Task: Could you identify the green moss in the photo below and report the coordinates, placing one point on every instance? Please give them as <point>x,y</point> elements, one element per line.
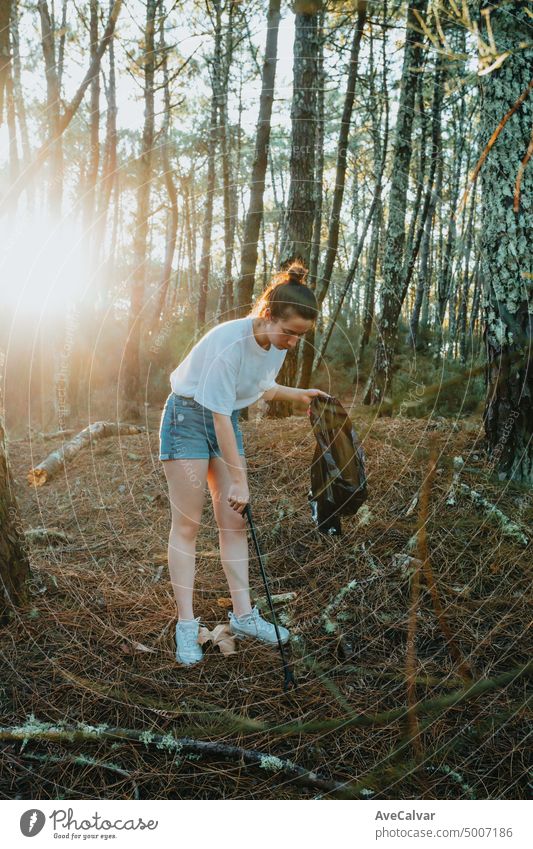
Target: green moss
<point>169,743</point>
<point>271,763</point>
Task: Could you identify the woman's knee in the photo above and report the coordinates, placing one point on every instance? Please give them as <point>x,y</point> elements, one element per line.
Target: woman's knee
<point>184,528</point>
<point>231,526</point>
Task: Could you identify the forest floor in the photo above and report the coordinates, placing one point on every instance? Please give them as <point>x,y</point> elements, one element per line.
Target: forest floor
<point>96,647</point>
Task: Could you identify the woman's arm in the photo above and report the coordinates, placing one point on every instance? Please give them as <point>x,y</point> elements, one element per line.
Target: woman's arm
<point>238,494</point>
<point>292,393</point>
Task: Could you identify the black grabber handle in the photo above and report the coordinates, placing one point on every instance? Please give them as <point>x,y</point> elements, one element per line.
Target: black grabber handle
<point>289,677</point>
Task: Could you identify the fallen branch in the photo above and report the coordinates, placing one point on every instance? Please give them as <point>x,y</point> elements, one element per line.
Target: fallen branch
<point>56,434</point>
<point>510,528</point>
<point>85,760</point>
<point>330,624</point>
<point>458,464</point>
<point>38,731</point>
<point>56,460</point>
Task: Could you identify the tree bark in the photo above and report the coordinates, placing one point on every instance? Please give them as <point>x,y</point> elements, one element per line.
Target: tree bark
<point>53,108</point>
<point>172,214</point>
<point>299,214</point>
<point>254,216</point>
<point>131,399</point>
<point>308,346</point>
<point>55,461</point>
<point>506,248</point>
<point>109,174</point>
<point>342,151</point>
<point>20,106</point>
<point>5,51</point>
<point>14,563</point>
<point>205,259</point>
<point>94,128</point>
<point>226,289</point>
<point>395,238</point>
<point>297,230</point>
<point>430,200</point>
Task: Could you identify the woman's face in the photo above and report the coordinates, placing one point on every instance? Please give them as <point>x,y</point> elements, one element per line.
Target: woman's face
<point>285,333</point>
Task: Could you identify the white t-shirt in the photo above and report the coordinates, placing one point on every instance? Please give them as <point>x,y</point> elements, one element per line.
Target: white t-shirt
<point>227,369</point>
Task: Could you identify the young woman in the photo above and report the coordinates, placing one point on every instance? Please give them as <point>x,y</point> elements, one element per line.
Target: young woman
<point>229,368</point>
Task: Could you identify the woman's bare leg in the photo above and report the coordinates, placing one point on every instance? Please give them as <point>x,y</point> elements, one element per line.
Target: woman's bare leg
<point>186,485</point>
<point>232,536</point>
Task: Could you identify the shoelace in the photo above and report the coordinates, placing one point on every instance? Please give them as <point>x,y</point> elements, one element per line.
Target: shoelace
<point>261,624</point>
<point>188,637</point>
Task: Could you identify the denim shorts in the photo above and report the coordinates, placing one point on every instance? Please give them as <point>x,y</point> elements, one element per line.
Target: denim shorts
<point>187,430</point>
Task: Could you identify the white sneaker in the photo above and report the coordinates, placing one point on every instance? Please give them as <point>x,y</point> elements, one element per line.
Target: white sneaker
<point>253,625</point>
<point>188,649</point>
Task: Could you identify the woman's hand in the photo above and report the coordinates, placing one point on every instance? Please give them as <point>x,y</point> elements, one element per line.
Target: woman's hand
<point>305,395</point>
<point>238,495</point>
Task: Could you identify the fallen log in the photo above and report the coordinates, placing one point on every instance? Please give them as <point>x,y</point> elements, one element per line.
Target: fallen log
<point>178,747</point>
<point>55,461</point>
<point>56,434</point>
<point>509,528</point>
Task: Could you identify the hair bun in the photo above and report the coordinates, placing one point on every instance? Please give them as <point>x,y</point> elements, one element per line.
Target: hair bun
<point>296,273</point>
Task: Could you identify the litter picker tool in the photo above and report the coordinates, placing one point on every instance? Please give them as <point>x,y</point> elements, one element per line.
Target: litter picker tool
<point>289,677</point>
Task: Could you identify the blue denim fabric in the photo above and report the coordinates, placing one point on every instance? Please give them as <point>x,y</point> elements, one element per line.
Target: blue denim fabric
<point>187,430</point>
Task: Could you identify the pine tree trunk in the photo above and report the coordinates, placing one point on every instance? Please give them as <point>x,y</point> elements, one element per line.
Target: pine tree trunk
<point>370,282</point>
<point>381,376</point>
<point>207,229</point>
<point>430,200</point>
<point>308,347</point>
<point>5,52</point>
<point>226,288</point>
<point>380,118</point>
<point>299,214</point>
<point>53,105</point>
<point>172,215</point>
<point>468,277</point>
<point>506,246</point>
<point>109,178</point>
<point>297,233</point>
<point>254,216</point>
<point>20,106</point>
<point>342,151</point>
<point>131,398</point>
<point>14,564</point>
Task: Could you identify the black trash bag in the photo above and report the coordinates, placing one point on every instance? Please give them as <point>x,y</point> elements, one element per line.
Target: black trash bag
<point>338,479</point>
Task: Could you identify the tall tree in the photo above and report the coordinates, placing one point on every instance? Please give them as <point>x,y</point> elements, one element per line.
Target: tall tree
<point>392,266</point>
<point>14,564</point>
<point>430,200</point>
<point>254,216</point>
<point>20,106</point>
<point>215,12</point>
<point>507,190</point>
<point>308,345</point>
<point>338,192</point>
<point>297,233</point>
<point>5,51</point>
<point>299,214</point>
<point>165,151</point>
<point>109,172</point>
<point>94,126</point>
<point>225,300</point>
<point>131,399</point>
<point>53,107</point>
